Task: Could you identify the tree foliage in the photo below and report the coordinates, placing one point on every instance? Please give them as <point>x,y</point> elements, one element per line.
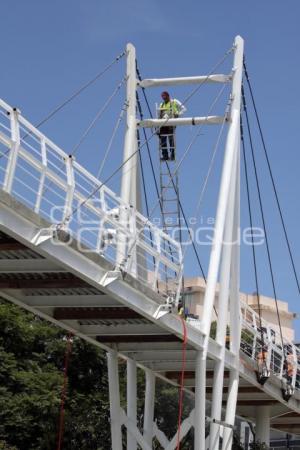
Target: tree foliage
<point>32,353</point>
<point>31,374</point>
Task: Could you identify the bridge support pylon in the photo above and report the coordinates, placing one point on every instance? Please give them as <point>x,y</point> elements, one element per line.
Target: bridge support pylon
<point>262,423</point>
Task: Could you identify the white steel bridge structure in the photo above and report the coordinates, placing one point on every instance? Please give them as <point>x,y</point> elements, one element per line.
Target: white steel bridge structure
<point>78,255</point>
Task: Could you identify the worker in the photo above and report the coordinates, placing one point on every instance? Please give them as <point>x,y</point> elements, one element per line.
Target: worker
<point>263,372</point>
<point>168,109</point>
<point>289,368</point>
<point>262,357</point>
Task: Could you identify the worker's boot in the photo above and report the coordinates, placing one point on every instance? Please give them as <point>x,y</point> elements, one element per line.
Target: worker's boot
<point>172,158</point>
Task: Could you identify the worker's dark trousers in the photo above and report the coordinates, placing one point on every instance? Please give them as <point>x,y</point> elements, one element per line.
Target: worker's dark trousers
<point>167,134</point>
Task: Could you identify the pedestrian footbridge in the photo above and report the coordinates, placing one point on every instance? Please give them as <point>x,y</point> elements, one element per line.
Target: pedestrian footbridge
<point>74,253</point>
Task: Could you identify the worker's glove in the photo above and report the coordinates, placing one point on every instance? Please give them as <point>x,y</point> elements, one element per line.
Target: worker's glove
<point>166,116</point>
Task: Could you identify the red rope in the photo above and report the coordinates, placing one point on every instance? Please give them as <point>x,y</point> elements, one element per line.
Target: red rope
<point>64,392</point>
<point>180,408</point>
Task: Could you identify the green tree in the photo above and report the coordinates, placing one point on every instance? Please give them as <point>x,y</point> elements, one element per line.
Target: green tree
<point>31,374</point>
<point>32,353</point>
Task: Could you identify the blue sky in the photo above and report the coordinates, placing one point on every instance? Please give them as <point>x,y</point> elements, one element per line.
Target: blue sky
<point>48,49</point>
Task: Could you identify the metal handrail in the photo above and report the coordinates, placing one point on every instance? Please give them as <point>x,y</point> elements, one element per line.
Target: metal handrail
<point>46,179</point>
<point>251,345</point>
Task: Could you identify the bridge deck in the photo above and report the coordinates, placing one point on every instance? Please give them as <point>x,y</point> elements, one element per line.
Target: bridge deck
<point>65,285</point>
<point>67,274</point>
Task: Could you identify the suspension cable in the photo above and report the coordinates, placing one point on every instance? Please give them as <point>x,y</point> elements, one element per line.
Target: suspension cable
<point>152,166</point>
<point>153,173</point>
<point>145,194</point>
<point>98,188</point>
<point>214,153</point>
<point>97,117</point>
<point>252,237</point>
<point>149,152</point>
<point>67,218</point>
<point>79,90</point>
<point>186,223</point>
<point>89,128</point>
<point>182,159</point>
<point>219,63</point>
<point>172,180</point>
<point>120,118</point>
<point>272,178</point>
<point>263,218</point>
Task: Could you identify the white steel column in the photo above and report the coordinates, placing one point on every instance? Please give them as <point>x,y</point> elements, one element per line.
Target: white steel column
<point>114,400</point>
<point>235,318</point>
<point>218,380</point>
<point>131,401</point>
<point>130,144</point>
<point>224,194</point>
<point>149,407</point>
<point>228,165</point>
<point>129,171</point>
<point>233,387</point>
<point>263,424</point>
<point>200,401</point>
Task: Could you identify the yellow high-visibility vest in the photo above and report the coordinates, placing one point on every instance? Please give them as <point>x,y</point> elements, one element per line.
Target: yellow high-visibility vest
<point>170,108</point>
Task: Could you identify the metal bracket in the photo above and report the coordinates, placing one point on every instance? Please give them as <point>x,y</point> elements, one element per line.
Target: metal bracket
<point>44,234</point>
<point>164,309</point>
<point>222,423</point>
<point>110,276</point>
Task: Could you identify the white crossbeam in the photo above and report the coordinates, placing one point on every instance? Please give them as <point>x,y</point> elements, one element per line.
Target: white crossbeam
<point>207,120</point>
<point>154,82</point>
<point>184,429</point>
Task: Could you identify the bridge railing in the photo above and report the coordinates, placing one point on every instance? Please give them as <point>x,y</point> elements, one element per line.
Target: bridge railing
<point>43,177</point>
<point>283,358</point>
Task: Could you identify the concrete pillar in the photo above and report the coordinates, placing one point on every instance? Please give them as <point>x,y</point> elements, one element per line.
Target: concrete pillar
<point>263,424</point>
<point>149,407</point>
<point>114,400</point>
<point>131,400</point>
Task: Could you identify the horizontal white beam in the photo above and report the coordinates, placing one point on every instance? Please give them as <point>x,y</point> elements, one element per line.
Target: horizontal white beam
<point>208,120</point>
<point>154,82</point>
